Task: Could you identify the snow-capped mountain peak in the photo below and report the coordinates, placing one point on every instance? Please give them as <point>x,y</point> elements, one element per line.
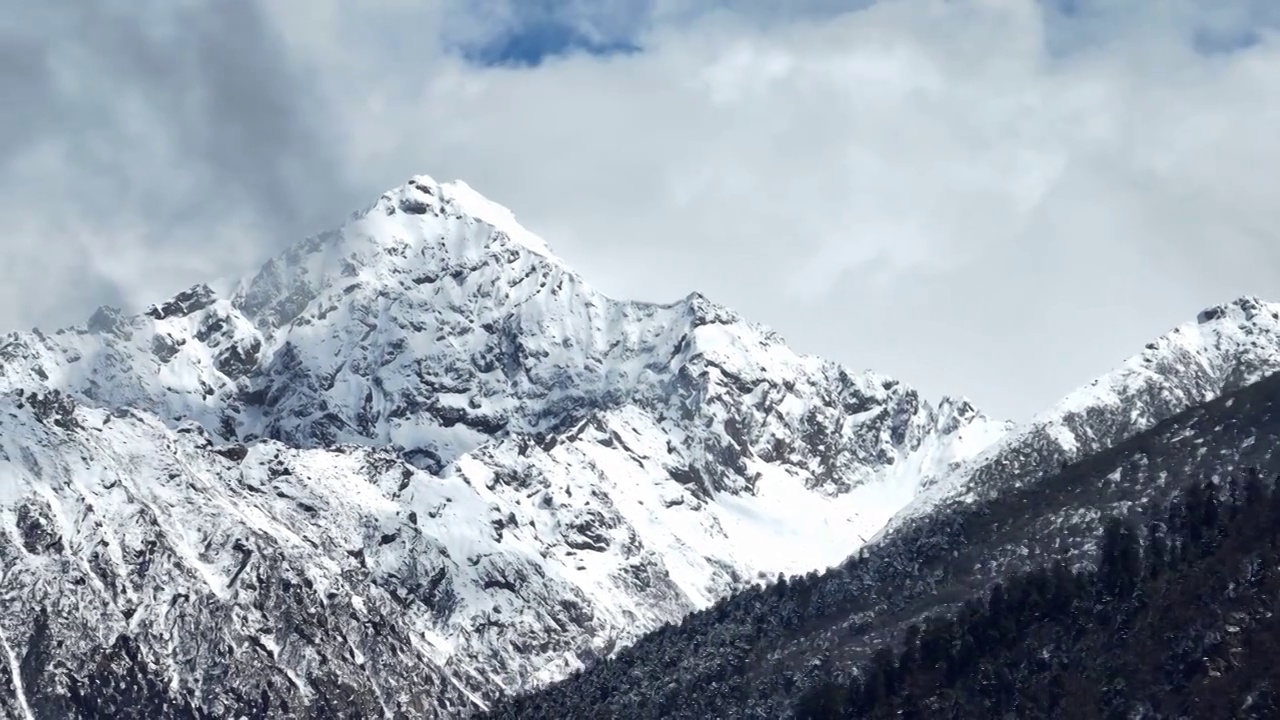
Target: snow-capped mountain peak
<point>469,202</point>
<point>421,228</point>
<point>423,422</point>
<point>1243,309</point>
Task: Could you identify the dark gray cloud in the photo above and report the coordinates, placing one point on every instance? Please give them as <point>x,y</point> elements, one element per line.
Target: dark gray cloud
<point>24,76</point>
<point>226,102</point>
<point>133,126</point>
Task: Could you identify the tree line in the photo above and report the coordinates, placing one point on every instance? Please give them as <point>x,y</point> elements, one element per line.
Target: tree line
<point>1177,619</point>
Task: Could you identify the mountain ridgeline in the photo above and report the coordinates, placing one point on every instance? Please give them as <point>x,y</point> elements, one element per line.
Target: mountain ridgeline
<point>1035,603</point>
<point>417,467</point>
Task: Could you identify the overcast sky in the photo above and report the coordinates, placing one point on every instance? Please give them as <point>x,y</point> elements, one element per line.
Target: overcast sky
<point>994,198</point>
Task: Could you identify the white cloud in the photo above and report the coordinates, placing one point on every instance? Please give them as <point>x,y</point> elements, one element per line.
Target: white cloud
<point>980,197</point>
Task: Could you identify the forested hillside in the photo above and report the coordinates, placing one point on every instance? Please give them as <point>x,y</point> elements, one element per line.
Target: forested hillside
<point>1177,620</point>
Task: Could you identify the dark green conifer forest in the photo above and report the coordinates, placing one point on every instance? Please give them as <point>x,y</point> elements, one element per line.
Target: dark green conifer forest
<point>1178,620</point>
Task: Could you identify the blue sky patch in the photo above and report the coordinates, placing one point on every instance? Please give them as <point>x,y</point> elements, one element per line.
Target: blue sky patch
<point>532,44</point>
<point>526,33</point>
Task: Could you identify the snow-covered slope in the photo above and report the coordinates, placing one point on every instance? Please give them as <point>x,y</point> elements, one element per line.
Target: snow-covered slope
<point>412,464</point>
<point>1226,347</point>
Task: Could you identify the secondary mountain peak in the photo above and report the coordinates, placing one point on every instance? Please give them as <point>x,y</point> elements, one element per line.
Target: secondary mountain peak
<point>1243,309</point>
<point>1227,347</point>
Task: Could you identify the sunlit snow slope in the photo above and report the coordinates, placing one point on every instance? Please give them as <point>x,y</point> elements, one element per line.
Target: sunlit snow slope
<point>1227,347</point>
<point>412,464</point>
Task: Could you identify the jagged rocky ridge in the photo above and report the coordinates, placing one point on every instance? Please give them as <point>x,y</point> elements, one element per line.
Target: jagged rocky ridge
<point>757,653</point>
<point>411,466</point>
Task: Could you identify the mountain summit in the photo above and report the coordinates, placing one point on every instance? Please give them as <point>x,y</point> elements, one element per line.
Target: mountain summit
<point>411,465</point>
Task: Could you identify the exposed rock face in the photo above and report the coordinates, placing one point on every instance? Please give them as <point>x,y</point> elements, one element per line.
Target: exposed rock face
<point>409,466</point>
